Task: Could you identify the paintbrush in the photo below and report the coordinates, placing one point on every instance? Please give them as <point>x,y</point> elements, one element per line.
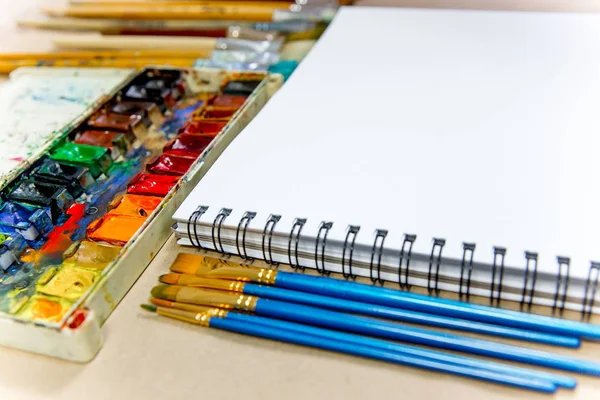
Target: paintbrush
<point>7,67</point>
<point>186,43</point>
<point>559,380</point>
<point>210,12</point>
<point>356,307</point>
<point>175,3</point>
<point>325,286</point>
<point>345,343</point>
<point>86,55</point>
<point>112,25</point>
<point>368,326</point>
<point>117,25</point>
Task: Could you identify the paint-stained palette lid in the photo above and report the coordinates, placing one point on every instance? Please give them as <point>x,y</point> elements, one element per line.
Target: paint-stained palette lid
<point>38,105</point>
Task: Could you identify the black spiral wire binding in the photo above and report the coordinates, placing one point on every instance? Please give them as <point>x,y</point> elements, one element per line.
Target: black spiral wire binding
<point>324,228</point>
<point>243,225</point>
<point>437,260</point>
<point>297,230</point>
<point>192,222</point>
<point>216,226</point>
<point>352,231</point>
<point>467,248</point>
<point>527,293</point>
<point>499,255</point>
<point>380,235</point>
<point>407,245</point>
<point>268,231</point>
<point>562,284</point>
<point>591,289</point>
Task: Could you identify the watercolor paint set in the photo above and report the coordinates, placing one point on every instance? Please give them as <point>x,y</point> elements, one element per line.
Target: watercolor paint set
<point>89,204</point>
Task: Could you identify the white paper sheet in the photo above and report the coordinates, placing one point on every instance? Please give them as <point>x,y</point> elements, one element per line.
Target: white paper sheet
<point>471,126</point>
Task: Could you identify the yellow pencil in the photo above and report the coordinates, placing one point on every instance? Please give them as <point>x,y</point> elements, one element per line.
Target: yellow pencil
<point>226,12</point>
<point>8,66</point>
<point>86,55</point>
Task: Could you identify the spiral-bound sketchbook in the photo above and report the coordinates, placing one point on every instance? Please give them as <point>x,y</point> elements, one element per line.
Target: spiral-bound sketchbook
<point>454,150</point>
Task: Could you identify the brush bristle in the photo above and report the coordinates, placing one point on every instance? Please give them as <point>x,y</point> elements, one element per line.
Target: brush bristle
<point>171,279</point>
<point>166,292</point>
<point>148,307</point>
<point>161,302</point>
<point>184,268</point>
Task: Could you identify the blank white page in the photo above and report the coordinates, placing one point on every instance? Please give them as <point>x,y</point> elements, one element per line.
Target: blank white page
<point>471,126</point>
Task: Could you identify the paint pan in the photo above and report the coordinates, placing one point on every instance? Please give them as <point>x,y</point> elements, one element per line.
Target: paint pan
<point>96,159</point>
<point>152,184</point>
<point>55,199</point>
<point>115,141</point>
<point>187,145</point>
<point>164,91</point>
<point>134,205</point>
<point>229,101</point>
<point>168,164</point>
<point>11,249</point>
<point>45,308</point>
<point>240,87</point>
<point>90,255</point>
<point>205,128</point>
<point>114,229</point>
<point>75,179</point>
<point>67,282</point>
<point>120,122</point>
<point>217,113</point>
<point>148,111</point>
<point>23,221</point>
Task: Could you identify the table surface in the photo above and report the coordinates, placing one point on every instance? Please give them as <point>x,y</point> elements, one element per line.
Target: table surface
<point>150,357</point>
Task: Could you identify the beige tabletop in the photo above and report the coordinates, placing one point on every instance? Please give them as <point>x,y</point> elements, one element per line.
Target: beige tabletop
<point>148,357</point>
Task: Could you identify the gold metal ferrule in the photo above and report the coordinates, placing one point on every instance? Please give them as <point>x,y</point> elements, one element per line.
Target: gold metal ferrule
<point>216,298</point>
<point>197,318</point>
<point>219,284</point>
<point>246,274</point>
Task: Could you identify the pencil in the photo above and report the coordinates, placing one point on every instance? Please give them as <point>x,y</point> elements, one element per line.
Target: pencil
<point>559,380</point>
<point>394,298</point>
<point>356,307</point>
<point>372,327</point>
<point>267,331</point>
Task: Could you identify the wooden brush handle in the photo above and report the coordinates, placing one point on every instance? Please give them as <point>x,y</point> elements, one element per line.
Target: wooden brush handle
<point>100,42</point>
<point>237,13</point>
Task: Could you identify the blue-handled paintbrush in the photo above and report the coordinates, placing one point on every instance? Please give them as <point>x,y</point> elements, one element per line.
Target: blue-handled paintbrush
<point>559,380</point>
<point>368,326</point>
<point>373,310</point>
<point>213,268</point>
<point>218,319</point>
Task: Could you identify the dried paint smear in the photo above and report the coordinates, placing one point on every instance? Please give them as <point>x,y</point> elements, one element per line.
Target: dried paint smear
<point>36,105</point>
